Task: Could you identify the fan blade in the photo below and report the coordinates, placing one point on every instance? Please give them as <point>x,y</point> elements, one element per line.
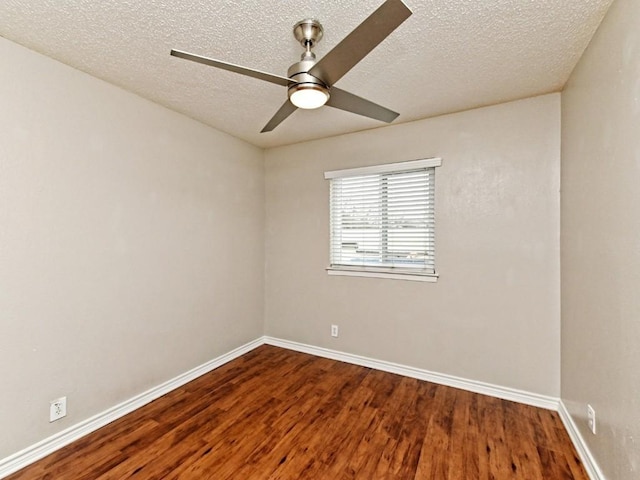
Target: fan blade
<point>360,41</point>
<point>285,110</point>
<point>268,77</point>
<point>354,104</point>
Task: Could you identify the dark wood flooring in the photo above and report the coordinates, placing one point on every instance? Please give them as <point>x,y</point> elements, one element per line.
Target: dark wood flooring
<point>277,414</point>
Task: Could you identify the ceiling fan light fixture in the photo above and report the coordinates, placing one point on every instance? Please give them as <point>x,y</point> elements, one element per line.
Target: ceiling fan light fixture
<point>308,95</point>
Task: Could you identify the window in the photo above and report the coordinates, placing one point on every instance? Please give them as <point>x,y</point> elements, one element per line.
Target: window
<point>382,220</point>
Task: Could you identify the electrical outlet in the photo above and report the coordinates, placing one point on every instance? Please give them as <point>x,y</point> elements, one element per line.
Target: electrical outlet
<point>57,409</point>
<point>334,330</point>
<point>591,418</point>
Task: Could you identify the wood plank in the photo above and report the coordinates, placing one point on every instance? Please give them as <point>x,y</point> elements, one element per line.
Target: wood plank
<point>280,415</point>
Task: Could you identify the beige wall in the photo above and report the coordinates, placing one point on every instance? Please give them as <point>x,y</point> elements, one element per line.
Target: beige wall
<point>131,244</point>
<point>494,314</point>
<point>601,241</point>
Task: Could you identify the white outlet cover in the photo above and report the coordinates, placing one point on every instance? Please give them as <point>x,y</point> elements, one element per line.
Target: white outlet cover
<point>591,418</point>
<point>57,409</point>
<point>334,330</point>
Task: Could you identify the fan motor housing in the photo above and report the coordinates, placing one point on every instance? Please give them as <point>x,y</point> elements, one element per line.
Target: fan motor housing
<point>301,77</point>
<point>298,73</point>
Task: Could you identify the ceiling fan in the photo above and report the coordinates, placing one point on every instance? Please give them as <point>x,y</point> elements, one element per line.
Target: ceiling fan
<point>310,83</point>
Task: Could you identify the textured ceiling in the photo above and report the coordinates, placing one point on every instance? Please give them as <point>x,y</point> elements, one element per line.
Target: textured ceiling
<point>450,55</point>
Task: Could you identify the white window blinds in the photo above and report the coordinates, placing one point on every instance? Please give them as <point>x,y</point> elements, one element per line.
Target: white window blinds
<point>383,219</point>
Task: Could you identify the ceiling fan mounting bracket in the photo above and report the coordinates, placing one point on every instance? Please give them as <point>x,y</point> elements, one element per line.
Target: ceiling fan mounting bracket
<point>308,32</point>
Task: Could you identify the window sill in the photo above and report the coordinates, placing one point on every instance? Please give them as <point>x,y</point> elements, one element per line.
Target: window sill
<point>413,277</point>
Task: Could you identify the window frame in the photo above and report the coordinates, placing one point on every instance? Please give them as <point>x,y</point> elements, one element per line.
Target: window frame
<point>386,271</point>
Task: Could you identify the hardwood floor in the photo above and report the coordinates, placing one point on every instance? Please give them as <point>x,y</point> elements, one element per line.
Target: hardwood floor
<point>277,414</point>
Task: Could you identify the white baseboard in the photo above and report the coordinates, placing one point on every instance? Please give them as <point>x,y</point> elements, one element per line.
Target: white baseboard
<point>590,464</point>
<point>506,393</point>
<point>49,445</point>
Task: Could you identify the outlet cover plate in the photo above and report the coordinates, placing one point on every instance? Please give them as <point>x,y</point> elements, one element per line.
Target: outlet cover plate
<point>591,419</point>
<point>57,409</point>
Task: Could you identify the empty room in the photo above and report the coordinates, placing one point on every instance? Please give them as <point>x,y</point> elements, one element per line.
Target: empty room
<point>385,239</point>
